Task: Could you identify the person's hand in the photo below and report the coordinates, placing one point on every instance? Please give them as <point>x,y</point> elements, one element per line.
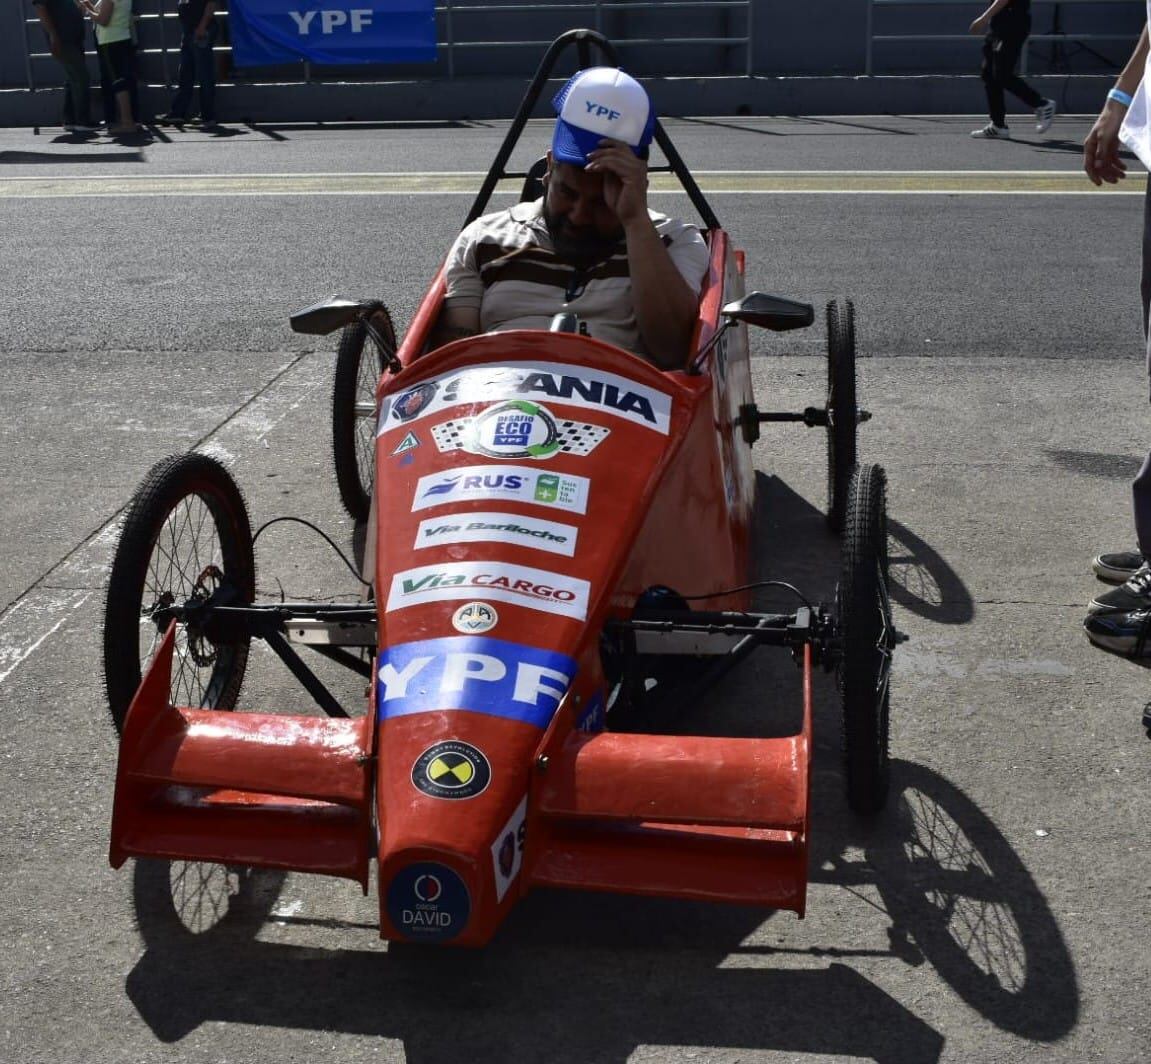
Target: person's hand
<point>1101,160</point>
<point>979,25</point>
<point>624,179</point>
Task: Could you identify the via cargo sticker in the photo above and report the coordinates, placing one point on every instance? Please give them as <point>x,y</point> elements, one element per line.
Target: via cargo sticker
<point>536,589</point>
<point>578,386</point>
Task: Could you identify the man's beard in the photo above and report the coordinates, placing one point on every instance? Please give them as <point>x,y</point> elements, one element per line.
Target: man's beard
<point>581,247</point>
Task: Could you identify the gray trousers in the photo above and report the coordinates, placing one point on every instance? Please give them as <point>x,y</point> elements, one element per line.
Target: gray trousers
<point>1141,485</point>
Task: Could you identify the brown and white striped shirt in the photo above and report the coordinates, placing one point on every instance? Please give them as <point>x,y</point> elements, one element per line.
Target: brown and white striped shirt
<point>504,264</point>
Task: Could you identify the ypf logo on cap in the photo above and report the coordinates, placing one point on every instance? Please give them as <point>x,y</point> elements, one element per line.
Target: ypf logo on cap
<point>596,103</point>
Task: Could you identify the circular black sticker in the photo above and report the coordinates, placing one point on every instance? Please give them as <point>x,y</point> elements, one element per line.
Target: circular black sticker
<point>452,769</point>
<point>428,901</point>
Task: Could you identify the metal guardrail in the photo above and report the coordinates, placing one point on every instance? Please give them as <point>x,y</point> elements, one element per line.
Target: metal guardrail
<point>1035,38</point>
<point>168,32</point>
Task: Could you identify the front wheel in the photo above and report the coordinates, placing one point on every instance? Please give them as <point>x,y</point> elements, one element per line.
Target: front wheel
<point>868,639</point>
<point>354,412</point>
<point>186,539</point>
<point>842,408</point>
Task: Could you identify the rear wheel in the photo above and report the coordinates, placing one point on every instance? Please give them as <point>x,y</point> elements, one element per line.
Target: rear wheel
<point>186,538</point>
<point>868,639</point>
<point>842,408</point>
<point>358,374</point>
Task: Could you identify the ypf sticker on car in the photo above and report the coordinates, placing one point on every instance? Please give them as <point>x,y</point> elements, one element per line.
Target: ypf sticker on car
<point>537,589</point>
<point>518,429</point>
<point>476,673</point>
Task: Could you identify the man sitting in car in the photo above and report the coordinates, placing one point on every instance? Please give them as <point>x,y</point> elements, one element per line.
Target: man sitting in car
<point>590,246</point>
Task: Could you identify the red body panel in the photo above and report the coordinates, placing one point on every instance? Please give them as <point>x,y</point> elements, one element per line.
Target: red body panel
<point>530,488</point>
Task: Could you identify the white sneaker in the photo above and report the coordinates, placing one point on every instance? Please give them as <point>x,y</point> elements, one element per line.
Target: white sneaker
<point>1044,116</point>
<point>991,132</point>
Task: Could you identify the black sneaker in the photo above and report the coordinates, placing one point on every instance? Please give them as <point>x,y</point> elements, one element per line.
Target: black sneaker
<point>171,120</point>
<point>1135,594</point>
<point>1121,632</point>
<point>1117,568</point>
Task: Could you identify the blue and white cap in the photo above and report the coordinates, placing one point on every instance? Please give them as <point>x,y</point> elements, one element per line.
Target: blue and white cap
<point>596,103</point>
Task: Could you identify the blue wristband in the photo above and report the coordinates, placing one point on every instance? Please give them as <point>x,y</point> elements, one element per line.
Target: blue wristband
<point>1119,96</point>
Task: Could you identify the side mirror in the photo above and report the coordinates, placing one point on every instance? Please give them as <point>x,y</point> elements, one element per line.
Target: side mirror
<point>770,312</point>
<point>330,315</point>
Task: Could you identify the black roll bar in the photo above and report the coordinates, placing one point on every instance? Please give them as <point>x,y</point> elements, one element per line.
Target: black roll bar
<point>583,39</point>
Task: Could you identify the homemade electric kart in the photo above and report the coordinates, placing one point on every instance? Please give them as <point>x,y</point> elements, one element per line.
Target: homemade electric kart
<point>556,525</point>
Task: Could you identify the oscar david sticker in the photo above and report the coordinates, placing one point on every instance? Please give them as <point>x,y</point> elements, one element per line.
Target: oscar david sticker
<point>475,618</point>
<point>414,401</point>
<point>452,770</point>
<point>428,901</point>
<point>508,849</point>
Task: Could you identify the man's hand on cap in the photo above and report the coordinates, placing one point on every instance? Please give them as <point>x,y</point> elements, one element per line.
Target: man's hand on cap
<point>624,179</point>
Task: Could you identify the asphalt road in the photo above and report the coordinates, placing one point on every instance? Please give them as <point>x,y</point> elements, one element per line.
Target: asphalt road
<point>997,912</point>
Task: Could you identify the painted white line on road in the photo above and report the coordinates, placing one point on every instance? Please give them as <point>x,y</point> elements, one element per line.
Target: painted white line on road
<point>17,644</point>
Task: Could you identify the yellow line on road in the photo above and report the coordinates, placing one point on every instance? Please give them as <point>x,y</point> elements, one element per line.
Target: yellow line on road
<point>748,182</point>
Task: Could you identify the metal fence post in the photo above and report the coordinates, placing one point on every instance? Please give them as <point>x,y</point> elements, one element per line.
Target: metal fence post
<point>750,38</point>
<point>867,60</point>
<point>164,47</point>
<point>450,42</point>
<point>20,13</point>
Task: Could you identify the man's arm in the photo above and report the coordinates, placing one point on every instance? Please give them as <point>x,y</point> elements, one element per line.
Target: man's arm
<point>665,306</point>
<point>49,29</point>
<point>99,10</point>
<point>980,24</point>
<point>201,33</point>
<point>1101,160</point>
<point>454,323</point>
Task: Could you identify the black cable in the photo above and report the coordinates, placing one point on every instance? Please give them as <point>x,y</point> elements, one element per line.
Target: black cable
<point>320,532</point>
<point>751,587</point>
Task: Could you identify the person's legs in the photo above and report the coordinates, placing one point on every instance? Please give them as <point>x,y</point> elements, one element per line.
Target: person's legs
<point>187,77</point>
<point>206,76</point>
<point>1006,59</point>
<point>121,56</point>
<point>77,105</point>
<point>107,96</point>
<point>996,107</point>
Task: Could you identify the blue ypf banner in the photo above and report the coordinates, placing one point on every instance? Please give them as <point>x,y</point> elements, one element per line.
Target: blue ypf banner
<point>266,32</point>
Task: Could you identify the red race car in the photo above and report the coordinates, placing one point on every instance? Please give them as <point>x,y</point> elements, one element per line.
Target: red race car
<point>562,543</point>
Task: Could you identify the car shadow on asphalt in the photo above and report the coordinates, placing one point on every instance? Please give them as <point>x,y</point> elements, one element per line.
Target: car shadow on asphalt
<point>573,977</point>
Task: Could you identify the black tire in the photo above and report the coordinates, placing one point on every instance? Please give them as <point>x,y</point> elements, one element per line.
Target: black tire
<point>868,638</point>
<point>842,408</point>
<point>353,427</point>
<point>186,533</point>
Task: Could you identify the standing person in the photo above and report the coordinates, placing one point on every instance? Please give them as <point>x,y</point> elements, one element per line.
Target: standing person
<point>63,24</point>
<point>1120,620</point>
<point>1007,24</point>
<point>117,52</point>
<point>197,63</point>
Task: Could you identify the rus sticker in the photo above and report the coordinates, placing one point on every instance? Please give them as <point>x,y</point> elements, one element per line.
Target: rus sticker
<point>502,482</point>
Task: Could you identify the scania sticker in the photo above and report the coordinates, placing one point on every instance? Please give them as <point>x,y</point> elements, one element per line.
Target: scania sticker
<point>508,849</point>
<point>475,618</point>
<point>412,403</point>
<point>498,528</point>
<point>536,589</point>
<point>408,443</point>
<point>579,386</point>
<point>452,770</point>
<point>518,430</point>
<point>518,483</point>
<point>478,674</point>
<point>428,901</point>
